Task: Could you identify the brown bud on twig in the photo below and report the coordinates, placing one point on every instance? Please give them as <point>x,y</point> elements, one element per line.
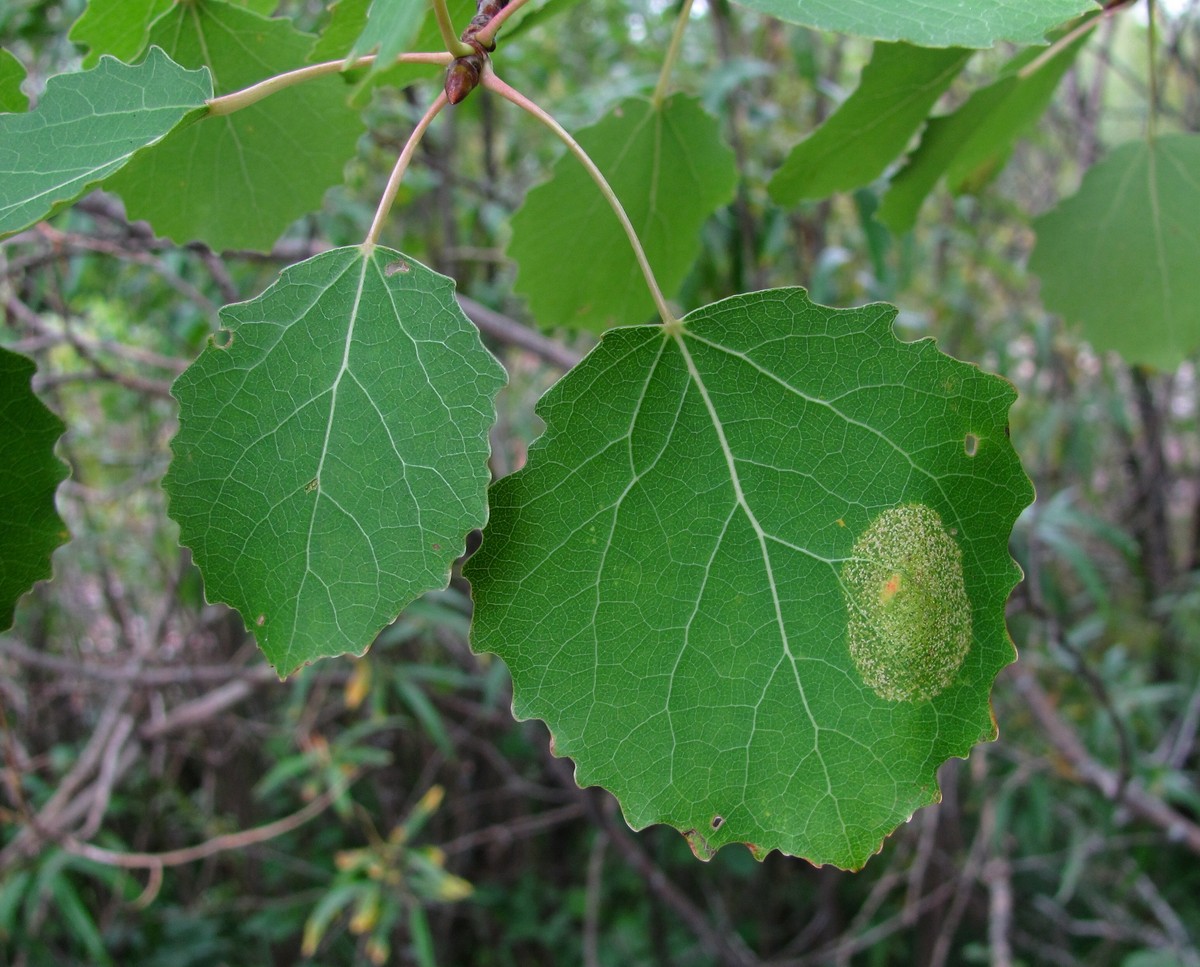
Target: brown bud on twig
<point>462,77</point>
<point>463,74</point>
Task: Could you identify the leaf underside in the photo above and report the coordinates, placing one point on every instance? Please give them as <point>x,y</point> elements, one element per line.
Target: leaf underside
<point>87,126</point>
<point>667,579</point>
<point>332,456</point>
<point>30,528</point>
<point>1120,257</point>
<point>930,23</point>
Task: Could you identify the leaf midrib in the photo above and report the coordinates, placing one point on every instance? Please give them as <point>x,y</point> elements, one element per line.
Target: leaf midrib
<point>760,535</point>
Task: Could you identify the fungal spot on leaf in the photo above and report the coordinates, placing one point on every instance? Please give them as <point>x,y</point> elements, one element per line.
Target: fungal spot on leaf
<point>396,268</point>
<point>909,617</point>
<point>311,485</point>
<point>718,822</point>
<point>260,620</point>
<point>222,338</point>
<point>971,444</point>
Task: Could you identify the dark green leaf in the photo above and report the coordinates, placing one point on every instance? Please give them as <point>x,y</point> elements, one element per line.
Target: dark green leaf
<point>429,38</point>
<point>122,27</point>
<point>12,72</point>
<point>30,528</point>
<point>332,455</point>
<point>87,126</point>
<point>387,28</point>
<point>753,576</point>
<point>872,126</point>
<point>117,27</point>
<point>347,21</point>
<point>671,170</point>
<point>972,144</point>
<point>238,181</point>
<point>1120,256</point>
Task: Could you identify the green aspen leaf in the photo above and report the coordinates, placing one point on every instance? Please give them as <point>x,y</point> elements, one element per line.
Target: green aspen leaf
<point>383,27</point>
<point>30,528</point>
<point>122,27</point>
<point>930,23</point>
<point>536,15</point>
<point>671,170</point>
<point>1120,256</point>
<point>87,126</point>
<point>347,21</point>
<point>872,126</point>
<point>345,26</point>
<point>12,72</point>
<point>390,29</point>
<point>332,450</point>
<point>971,145</point>
<point>753,575</point>
<point>239,180</point>
<point>117,27</point>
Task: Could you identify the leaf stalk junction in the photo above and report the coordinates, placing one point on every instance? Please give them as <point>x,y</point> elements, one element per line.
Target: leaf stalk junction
<point>469,65</point>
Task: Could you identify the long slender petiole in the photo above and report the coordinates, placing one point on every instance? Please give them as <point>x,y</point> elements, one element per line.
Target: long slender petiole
<point>393,185</point>
<point>453,44</point>
<point>487,35</point>
<point>229,103</point>
<point>1152,70</point>
<point>664,75</point>
<point>1070,37</point>
<point>493,83</point>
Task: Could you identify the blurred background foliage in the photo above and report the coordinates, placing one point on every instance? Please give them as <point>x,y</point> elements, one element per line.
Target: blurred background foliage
<point>167,801</point>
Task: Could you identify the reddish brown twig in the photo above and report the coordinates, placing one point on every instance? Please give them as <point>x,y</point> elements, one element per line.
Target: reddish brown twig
<point>464,73</point>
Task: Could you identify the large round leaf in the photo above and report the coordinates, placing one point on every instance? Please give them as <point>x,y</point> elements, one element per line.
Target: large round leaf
<point>753,575</point>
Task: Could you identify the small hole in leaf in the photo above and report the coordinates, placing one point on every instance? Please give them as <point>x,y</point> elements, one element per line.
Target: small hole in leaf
<point>971,444</point>
<point>222,339</point>
<point>397,267</point>
<point>718,822</point>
